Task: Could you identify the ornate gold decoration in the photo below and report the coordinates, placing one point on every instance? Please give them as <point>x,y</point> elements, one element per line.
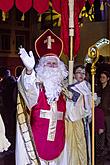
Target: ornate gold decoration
<point>51,14</point>
<point>93,53</point>
<point>88,14</point>
<point>23,17</point>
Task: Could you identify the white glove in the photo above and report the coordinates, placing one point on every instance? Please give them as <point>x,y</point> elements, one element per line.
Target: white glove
<point>27,59</point>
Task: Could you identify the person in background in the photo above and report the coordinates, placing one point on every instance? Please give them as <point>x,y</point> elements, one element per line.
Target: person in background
<point>41,88</point>
<point>8,94</point>
<point>82,87</point>
<point>104,93</point>
<point>99,132</point>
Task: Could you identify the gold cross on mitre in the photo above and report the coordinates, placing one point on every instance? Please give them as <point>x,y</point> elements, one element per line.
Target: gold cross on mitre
<point>49,41</point>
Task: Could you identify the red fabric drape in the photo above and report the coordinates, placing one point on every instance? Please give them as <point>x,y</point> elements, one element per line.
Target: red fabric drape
<point>65,26</point>
<point>91,2</point>
<point>61,6</point>
<point>56,4</point>
<point>6,5</point>
<point>78,7</point>
<point>23,5</point>
<point>41,5</point>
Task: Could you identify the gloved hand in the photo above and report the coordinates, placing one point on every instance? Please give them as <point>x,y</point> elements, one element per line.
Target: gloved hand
<point>27,59</point>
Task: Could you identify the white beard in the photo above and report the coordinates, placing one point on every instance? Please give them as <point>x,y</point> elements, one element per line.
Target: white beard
<point>51,79</point>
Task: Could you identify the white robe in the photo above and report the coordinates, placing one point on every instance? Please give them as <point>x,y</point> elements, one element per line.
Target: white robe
<point>30,91</point>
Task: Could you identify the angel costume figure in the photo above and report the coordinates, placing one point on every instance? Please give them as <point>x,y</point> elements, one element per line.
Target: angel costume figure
<point>41,88</point>
<point>82,87</point>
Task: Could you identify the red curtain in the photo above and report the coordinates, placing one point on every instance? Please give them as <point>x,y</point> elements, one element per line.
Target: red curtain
<point>41,5</point>
<point>91,2</point>
<point>61,6</point>
<point>65,26</point>
<point>6,5</point>
<point>23,5</point>
<point>78,7</point>
<point>56,4</point>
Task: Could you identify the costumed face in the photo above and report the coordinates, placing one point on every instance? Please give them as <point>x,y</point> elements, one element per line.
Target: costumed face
<point>51,72</point>
<point>51,62</point>
<point>79,74</point>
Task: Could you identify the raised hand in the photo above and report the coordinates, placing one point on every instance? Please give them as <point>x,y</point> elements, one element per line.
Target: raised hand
<point>27,59</point>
